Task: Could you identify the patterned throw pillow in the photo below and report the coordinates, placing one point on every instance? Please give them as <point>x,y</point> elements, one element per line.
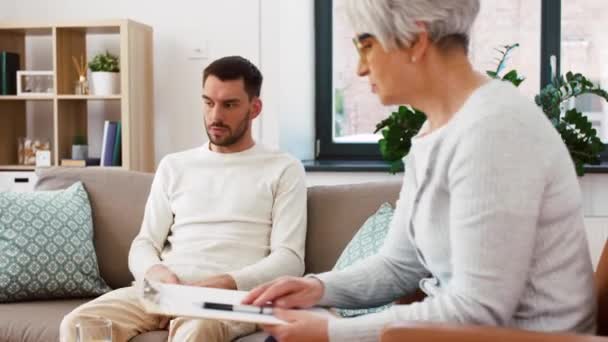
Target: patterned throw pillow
<point>365,243</point>
<point>46,246</point>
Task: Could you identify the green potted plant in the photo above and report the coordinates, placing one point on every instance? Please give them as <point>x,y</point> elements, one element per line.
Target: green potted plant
<point>105,74</point>
<point>397,133</point>
<point>575,128</point>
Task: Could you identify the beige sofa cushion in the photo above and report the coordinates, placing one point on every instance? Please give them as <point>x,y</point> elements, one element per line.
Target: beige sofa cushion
<point>335,214</point>
<point>118,199</point>
<point>39,321</point>
<point>34,321</point>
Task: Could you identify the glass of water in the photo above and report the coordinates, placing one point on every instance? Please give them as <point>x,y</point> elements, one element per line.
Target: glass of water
<point>94,330</point>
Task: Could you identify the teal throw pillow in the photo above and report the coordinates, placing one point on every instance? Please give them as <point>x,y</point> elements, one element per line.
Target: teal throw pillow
<point>366,243</point>
<point>46,246</point>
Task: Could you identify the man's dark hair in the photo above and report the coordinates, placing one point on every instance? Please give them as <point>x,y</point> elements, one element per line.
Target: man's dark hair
<point>233,68</point>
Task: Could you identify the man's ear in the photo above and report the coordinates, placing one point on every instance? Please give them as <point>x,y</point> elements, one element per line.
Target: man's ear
<point>256,107</point>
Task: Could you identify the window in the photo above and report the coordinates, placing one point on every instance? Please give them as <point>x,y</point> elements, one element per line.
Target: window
<point>502,23</point>
<point>584,49</point>
<point>356,110</point>
<point>347,112</point>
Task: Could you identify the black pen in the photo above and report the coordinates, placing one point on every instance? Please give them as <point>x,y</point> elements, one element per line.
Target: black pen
<point>238,308</point>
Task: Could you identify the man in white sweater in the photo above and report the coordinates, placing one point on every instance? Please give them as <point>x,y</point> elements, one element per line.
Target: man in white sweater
<point>230,214</point>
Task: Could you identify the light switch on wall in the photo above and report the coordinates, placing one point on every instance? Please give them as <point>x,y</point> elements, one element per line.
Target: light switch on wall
<point>199,51</point>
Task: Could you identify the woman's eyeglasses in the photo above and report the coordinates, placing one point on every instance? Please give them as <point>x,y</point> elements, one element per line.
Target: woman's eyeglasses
<point>362,46</point>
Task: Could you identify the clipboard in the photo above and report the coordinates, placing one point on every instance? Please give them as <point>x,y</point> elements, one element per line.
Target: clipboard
<point>186,301</point>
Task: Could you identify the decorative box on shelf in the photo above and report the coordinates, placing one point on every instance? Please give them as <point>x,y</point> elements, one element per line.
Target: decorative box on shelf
<point>35,83</point>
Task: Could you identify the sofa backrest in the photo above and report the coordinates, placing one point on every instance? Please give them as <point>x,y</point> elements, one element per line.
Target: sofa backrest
<point>118,198</point>
<point>335,214</point>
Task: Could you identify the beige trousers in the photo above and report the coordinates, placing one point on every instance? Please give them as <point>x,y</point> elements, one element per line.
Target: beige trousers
<point>129,319</point>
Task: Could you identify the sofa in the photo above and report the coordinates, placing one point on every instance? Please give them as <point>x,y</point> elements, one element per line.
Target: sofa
<point>117,200</point>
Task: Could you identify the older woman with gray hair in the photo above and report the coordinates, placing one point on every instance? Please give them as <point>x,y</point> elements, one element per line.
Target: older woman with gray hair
<point>489,222</point>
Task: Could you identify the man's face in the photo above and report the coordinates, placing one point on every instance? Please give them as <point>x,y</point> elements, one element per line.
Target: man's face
<point>228,111</point>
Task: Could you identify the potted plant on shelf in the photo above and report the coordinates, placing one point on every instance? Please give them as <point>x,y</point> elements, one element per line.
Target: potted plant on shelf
<point>574,127</point>
<point>80,149</point>
<point>105,74</point>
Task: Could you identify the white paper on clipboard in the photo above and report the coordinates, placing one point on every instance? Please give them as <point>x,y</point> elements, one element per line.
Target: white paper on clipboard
<point>185,301</point>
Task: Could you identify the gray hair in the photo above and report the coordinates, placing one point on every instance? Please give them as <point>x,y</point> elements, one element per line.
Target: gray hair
<point>393,22</point>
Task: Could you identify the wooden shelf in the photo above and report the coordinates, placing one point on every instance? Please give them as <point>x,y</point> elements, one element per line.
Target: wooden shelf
<point>70,113</point>
<point>33,167</point>
<point>60,97</point>
<point>89,97</point>
<point>94,167</point>
<point>26,97</point>
<point>17,167</point>
<point>103,26</point>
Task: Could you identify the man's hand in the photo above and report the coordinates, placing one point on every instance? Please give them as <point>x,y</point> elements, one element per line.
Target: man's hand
<point>287,293</point>
<point>222,281</point>
<point>162,273</point>
<point>301,326</point>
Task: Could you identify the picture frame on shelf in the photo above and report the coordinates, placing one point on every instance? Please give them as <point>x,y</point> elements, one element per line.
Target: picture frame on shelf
<point>28,148</point>
<point>35,83</point>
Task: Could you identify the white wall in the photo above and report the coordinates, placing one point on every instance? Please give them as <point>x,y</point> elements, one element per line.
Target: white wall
<point>287,47</point>
<point>296,125</point>
<point>6,8</point>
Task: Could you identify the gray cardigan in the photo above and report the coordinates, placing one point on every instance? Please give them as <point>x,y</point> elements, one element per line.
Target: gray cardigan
<point>493,233</point>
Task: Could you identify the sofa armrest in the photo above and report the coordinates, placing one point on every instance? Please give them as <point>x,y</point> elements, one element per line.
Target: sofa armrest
<point>420,332</point>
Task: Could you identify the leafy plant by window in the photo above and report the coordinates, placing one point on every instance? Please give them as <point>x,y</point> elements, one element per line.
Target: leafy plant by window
<point>397,133</point>
<point>510,76</point>
<point>105,62</point>
<point>575,129</point>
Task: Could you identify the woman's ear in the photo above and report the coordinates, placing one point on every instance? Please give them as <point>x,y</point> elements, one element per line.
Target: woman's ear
<point>420,45</point>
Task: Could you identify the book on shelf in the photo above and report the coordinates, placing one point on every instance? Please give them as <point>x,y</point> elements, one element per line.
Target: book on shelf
<point>111,144</point>
<point>80,162</point>
<point>116,156</point>
<point>73,163</point>
<point>9,64</point>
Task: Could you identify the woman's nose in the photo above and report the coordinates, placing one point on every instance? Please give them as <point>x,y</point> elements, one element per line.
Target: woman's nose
<point>362,69</point>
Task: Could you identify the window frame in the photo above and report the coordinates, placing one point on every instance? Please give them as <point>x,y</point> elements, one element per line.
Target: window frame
<point>326,149</point>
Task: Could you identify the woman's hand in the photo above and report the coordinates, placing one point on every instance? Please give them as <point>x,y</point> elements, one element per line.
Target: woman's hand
<point>302,326</point>
<point>287,293</point>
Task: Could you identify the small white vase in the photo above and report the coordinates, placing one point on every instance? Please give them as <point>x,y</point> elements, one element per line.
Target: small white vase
<point>105,83</point>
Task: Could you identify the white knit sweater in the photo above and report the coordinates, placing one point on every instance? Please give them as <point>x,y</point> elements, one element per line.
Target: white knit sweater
<point>240,213</point>
<point>493,233</point>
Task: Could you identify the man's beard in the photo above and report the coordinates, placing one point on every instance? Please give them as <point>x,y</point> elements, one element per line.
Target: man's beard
<point>232,137</point>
